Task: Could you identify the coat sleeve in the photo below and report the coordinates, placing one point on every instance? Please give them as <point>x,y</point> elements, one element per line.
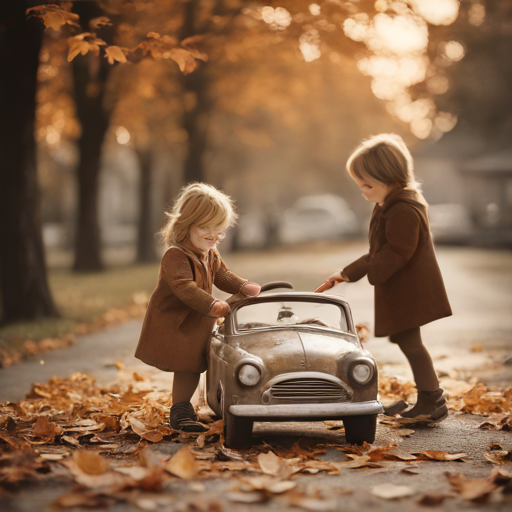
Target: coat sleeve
<point>180,278</point>
<point>358,269</point>
<point>402,236</point>
<point>226,281</point>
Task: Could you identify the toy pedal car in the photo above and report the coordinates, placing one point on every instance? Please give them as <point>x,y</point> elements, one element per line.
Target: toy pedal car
<point>291,356</point>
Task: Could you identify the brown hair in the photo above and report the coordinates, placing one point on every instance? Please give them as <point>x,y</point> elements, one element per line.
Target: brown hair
<point>200,204</point>
<point>384,158</point>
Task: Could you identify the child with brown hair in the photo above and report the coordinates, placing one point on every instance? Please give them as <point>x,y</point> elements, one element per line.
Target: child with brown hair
<point>182,312</point>
<point>401,263</point>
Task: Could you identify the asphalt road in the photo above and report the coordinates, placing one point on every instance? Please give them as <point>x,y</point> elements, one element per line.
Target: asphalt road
<point>474,342</point>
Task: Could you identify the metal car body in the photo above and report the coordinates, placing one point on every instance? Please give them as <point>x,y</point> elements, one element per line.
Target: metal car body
<point>290,356</point>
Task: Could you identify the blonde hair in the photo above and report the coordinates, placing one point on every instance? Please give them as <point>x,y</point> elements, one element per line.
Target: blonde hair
<point>384,158</point>
<point>200,204</point>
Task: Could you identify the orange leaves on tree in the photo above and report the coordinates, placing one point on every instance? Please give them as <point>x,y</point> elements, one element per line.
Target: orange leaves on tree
<point>99,22</point>
<point>116,53</point>
<point>54,16</point>
<point>84,43</point>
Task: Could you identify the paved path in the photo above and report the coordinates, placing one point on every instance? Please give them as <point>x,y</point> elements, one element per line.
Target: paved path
<point>478,281</point>
<point>478,284</point>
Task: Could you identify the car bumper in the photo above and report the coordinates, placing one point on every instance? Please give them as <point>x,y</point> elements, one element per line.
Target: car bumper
<point>305,411</point>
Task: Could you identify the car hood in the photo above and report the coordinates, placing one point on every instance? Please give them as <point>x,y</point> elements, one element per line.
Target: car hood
<point>287,351</point>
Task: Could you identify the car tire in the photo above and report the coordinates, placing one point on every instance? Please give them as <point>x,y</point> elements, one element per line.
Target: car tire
<point>237,431</point>
<point>360,429</point>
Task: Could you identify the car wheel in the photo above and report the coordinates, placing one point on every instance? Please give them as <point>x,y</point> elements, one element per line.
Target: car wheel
<point>359,429</point>
<point>237,431</point>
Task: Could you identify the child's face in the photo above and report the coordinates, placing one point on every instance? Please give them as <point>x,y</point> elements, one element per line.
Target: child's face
<point>205,237</point>
<point>373,191</point>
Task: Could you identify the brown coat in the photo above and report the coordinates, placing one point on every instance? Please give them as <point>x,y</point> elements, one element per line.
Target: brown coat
<point>402,265</point>
<point>177,329</point>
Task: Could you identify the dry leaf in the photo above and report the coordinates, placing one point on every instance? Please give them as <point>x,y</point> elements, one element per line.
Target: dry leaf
<point>90,463</point>
<point>498,456</point>
<point>115,53</point>
<point>184,59</point>
<point>247,497</point>
<point>472,489</point>
<point>270,463</point>
<point>183,464</point>
<point>439,456</point>
<point>391,491</point>
<point>431,500</point>
<point>404,432</point>
<point>101,21</point>
<point>43,427</point>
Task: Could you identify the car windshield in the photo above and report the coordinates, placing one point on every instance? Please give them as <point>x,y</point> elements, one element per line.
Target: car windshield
<point>297,313</point>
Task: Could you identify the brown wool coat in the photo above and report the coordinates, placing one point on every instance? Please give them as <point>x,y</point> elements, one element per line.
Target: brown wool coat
<point>402,265</point>
<point>177,329</point>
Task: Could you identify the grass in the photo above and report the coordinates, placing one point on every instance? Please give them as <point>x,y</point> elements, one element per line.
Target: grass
<point>83,299</point>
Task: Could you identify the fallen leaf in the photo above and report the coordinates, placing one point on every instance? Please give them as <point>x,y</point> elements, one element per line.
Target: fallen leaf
<point>431,500</point>
<point>439,455</point>
<point>247,497</point>
<point>359,461</point>
<point>391,491</point>
<point>183,464</point>
<point>472,489</point>
<point>270,463</point>
<point>82,499</point>
<point>498,456</point>
<point>90,463</point>
<point>44,428</point>
<point>404,432</point>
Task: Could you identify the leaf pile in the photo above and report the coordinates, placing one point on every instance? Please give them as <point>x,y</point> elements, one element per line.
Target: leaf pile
<point>101,438</point>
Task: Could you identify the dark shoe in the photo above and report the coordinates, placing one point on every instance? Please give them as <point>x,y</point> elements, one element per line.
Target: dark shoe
<point>430,406</point>
<point>183,417</point>
<point>395,408</point>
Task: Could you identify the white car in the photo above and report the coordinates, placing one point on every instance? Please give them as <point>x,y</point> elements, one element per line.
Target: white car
<point>322,217</point>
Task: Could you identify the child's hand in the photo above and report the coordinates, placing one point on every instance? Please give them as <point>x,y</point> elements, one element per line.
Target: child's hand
<point>332,281</point>
<point>251,289</point>
<point>220,309</point>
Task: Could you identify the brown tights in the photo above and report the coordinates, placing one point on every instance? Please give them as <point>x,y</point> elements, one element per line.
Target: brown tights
<point>422,367</point>
<point>183,386</point>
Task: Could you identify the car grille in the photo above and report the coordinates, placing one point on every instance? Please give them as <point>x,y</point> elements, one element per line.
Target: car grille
<point>306,391</point>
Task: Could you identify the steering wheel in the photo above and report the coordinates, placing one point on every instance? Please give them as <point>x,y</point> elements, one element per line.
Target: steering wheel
<point>276,284</point>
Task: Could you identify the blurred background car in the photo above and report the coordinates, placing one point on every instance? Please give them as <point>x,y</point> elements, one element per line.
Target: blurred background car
<point>319,217</point>
<point>450,223</point>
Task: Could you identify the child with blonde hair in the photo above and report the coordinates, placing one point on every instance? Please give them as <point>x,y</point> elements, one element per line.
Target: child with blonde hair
<point>182,312</point>
<point>401,263</point>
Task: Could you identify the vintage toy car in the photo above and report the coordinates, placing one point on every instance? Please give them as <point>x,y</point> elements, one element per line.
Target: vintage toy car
<point>290,356</point>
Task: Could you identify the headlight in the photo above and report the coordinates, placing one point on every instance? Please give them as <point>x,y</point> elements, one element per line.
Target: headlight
<point>361,373</point>
<point>249,375</point>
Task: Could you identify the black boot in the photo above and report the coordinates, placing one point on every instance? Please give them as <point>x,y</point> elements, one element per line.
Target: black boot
<point>183,417</point>
<point>395,408</point>
<point>430,406</point>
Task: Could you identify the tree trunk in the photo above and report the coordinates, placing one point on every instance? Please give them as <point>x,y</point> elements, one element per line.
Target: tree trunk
<point>24,289</point>
<point>145,238</point>
<point>90,74</point>
<point>197,104</point>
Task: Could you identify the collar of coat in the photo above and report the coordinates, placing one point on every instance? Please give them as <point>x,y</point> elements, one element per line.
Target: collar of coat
<point>208,261</point>
<point>406,195</point>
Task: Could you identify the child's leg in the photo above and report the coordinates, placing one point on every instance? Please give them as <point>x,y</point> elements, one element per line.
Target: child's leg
<point>183,386</point>
<point>183,416</point>
<point>431,403</point>
<point>417,354</point>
